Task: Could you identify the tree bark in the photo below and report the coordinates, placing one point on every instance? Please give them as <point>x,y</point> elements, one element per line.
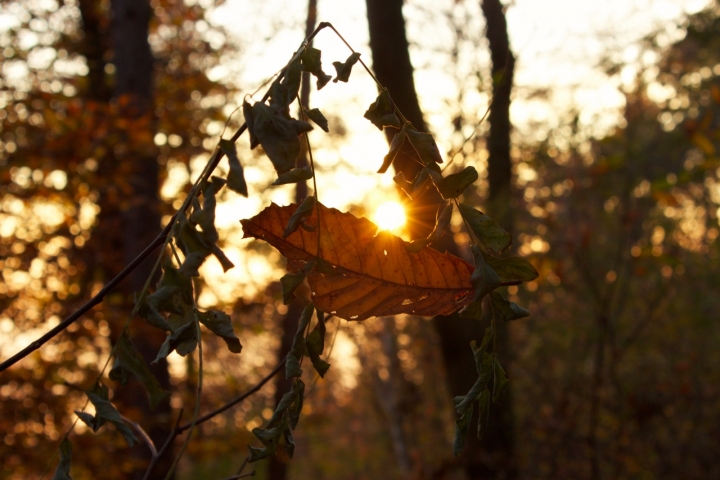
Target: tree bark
<point>135,220</point>
<point>392,66</point>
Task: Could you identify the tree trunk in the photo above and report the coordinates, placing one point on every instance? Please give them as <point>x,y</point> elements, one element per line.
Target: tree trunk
<point>134,221</point>
<point>391,63</point>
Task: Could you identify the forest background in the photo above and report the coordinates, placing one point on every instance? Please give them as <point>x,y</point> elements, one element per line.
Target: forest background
<point>614,198</point>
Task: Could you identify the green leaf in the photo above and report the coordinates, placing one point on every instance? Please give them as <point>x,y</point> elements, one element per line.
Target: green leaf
<point>500,381</point>
<point>507,310</point>
<point>311,62</point>
<point>129,361</point>
<point>63,469</point>
<point>289,283</point>
<point>220,324</point>
<point>512,269</point>
<point>382,113</point>
<point>292,364</point>
<point>487,230</point>
<point>316,116</point>
<point>483,413</point>
<point>442,222</point>
<point>305,209</point>
<point>462,427</point>
<point>472,310</point>
<point>183,340</point>
<point>479,353</point>
<point>278,135</point>
<point>483,279</point>
<point>236,177</point>
<point>284,90</point>
<point>395,146</point>
<point>455,184</point>
<point>424,145</point>
<point>270,437</point>
<point>105,412</point>
<point>343,69</point>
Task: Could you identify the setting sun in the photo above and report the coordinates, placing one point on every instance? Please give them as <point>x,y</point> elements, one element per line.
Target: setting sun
<point>389,216</point>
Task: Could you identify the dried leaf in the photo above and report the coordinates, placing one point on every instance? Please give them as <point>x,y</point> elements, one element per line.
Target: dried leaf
<point>105,412</point>
<point>236,177</point>
<point>487,230</point>
<point>306,208</point>
<point>293,176</point>
<point>506,310</point>
<point>311,62</point>
<point>442,222</point>
<point>343,69</point>
<point>183,340</point>
<point>278,135</point>
<point>298,350</point>
<point>220,324</point>
<point>424,145</point>
<point>382,113</point>
<point>372,274</point>
<point>284,90</point>
<point>316,116</point>
<point>395,146</point>
<point>484,279</point>
<point>129,361</point>
<point>63,469</point>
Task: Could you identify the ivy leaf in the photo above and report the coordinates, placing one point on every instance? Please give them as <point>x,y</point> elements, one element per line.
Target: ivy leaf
<point>292,364</point>
<point>236,177</point>
<point>484,279</point>
<point>284,90</point>
<point>105,412</point>
<point>483,413</point>
<point>305,209</point>
<point>343,69</point>
<point>278,135</point>
<point>442,222</point>
<point>316,116</point>
<point>63,469</point>
<point>129,361</point>
<point>500,382</point>
<point>487,230</point>
<point>311,62</point>
<point>220,324</point>
<point>462,427</point>
<point>512,269</point>
<point>395,146</point>
<point>382,113</point>
<point>183,340</point>
<point>455,184</point>
<point>424,145</point>
<point>293,176</point>
<point>505,309</point>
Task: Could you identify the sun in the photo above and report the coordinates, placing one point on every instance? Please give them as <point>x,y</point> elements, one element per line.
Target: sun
<point>390,216</point>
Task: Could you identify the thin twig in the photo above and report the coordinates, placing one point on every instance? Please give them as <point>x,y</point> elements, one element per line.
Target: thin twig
<point>146,438</point>
<point>173,435</point>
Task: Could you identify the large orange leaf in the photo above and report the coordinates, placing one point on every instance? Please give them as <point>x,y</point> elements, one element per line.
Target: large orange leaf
<point>373,272</point>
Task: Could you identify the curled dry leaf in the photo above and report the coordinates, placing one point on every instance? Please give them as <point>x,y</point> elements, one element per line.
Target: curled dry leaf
<point>373,272</point>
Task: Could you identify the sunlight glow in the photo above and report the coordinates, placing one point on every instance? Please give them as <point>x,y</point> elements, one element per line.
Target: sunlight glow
<point>390,216</point>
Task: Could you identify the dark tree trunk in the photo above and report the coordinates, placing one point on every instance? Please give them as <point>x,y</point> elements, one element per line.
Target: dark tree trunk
<point>130,210</point>
<point>391,63</point>
<point>392,67</point>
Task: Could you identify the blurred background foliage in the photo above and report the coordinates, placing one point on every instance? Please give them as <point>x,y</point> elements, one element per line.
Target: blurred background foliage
<point>612,375</point>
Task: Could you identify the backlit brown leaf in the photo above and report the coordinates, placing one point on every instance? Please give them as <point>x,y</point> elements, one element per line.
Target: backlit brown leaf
<point>373,274</point>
